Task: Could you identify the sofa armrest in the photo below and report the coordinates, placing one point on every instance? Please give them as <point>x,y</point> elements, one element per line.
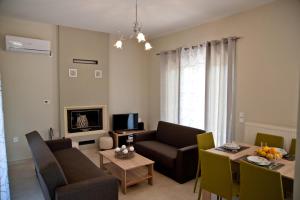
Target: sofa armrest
<point>148,135</point>
<point>101,188</point>
<point>59,144</point>
<point>186,163</point>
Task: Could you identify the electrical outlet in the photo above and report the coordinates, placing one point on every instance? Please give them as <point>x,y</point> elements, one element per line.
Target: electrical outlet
<point>15,139</point>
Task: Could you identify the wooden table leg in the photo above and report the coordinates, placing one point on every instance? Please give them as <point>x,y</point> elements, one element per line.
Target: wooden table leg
<point>101,162</point>
<point>150,173</point>
<point>123,182</point>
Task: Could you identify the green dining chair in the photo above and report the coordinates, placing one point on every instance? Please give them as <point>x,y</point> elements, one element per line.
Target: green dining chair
<point>270,140</point>
<point>259,183</point>
<point>205,141</point>
<point>216,175</point>
<point>292,150</point>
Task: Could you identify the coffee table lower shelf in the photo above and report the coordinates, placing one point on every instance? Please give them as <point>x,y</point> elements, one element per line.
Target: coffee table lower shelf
<point>130,177</point>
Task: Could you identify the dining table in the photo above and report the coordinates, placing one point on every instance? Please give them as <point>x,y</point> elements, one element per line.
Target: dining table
<point>287,169</point>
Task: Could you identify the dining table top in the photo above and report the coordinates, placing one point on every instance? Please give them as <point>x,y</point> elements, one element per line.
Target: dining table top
<point>287,170</point>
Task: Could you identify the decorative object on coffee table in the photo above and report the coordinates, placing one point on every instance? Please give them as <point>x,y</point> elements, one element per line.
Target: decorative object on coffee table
<point>124,152</point>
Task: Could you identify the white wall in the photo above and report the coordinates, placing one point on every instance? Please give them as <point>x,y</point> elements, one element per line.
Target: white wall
<point>27,80</point>
<point>128,79</point>
<point>267,61</point>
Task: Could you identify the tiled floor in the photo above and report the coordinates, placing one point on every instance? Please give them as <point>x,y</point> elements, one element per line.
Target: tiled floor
<point>24,185</point>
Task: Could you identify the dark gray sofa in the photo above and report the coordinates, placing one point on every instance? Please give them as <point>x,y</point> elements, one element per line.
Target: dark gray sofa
<point>173,148</point>
<point>65,173</point>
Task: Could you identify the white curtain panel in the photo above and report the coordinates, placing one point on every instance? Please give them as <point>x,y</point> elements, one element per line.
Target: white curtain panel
<point>169,86</point>
<point>220,89</point>
<point>192,87</point>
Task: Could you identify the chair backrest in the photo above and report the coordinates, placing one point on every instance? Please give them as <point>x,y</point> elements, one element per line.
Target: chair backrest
<point>48,169</point>
<point>176,135</point>
<point>270,140</point>
<point>259,183</point>
<point>292,150</point>
<point>216,175</point>
<point>205,141</point>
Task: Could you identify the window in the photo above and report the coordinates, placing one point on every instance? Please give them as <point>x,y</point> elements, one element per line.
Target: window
<point>192,87</point>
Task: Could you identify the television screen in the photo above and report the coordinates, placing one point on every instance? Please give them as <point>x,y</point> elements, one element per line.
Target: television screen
<point>125,121</point>
<point>84,120</point>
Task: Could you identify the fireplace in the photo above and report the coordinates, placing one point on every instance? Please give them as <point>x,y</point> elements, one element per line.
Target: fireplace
<point>85,120</point>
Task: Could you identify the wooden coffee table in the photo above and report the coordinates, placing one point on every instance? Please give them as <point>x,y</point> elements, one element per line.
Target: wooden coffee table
<point>129,172</point>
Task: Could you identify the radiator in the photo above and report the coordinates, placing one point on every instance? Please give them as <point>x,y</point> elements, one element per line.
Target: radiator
<point>251,129</point>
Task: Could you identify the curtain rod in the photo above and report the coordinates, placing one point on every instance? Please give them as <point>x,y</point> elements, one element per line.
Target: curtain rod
<point>234,38</point>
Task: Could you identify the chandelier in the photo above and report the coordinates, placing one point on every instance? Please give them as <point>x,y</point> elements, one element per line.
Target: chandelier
<point>137,32</point>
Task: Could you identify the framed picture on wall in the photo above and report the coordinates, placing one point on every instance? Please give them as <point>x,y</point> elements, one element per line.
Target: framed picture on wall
<point>98,73</point>
<point>72,73</point>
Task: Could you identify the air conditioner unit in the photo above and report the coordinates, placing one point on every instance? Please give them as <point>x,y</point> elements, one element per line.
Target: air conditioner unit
<point>27,45</point>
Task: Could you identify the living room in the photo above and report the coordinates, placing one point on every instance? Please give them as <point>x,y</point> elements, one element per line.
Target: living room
<point>84,70</point>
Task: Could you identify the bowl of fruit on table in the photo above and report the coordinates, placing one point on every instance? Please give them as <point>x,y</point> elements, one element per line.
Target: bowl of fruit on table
<point>271,153</point>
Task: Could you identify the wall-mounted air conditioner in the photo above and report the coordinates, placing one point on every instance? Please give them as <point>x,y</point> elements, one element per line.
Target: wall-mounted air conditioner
<point>27,45</point>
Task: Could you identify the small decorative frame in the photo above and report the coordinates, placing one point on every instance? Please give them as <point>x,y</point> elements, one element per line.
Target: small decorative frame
<point>98,73</point>
<point>72,73</point>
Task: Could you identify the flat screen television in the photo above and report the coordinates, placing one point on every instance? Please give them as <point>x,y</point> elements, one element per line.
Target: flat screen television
<point>123,122</point>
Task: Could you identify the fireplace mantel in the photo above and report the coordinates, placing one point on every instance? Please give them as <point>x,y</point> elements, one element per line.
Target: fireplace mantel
<point>104,124</point>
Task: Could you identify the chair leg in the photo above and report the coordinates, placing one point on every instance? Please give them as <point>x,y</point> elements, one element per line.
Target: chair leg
<point>197,178</point>
<point>200,192</point>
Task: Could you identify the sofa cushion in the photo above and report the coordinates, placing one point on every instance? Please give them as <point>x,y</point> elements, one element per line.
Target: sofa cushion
<point>46,164</point>
<point>159,152</point>
<point>177,135</point>
<point>76,166</point>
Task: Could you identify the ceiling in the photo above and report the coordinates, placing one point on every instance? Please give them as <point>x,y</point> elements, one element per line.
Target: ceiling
<point>158,17</point>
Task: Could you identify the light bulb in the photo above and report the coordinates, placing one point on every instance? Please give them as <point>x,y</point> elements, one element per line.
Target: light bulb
<point>140,37</point>
<point>119,44</point>
<point>148,46</point>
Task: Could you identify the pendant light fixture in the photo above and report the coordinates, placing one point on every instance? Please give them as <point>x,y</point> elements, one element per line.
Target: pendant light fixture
<point>137,32</point>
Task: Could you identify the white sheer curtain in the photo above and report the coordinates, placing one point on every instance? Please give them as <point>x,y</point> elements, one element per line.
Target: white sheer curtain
<point>192,87</point>
<point>169,82</point>
<point>4,186</point>
<point>198,88</point>
<point>220,89</point>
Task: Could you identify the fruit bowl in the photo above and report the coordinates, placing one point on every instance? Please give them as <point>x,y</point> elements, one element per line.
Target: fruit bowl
<point>124,152</point>
<point>271,153</point>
